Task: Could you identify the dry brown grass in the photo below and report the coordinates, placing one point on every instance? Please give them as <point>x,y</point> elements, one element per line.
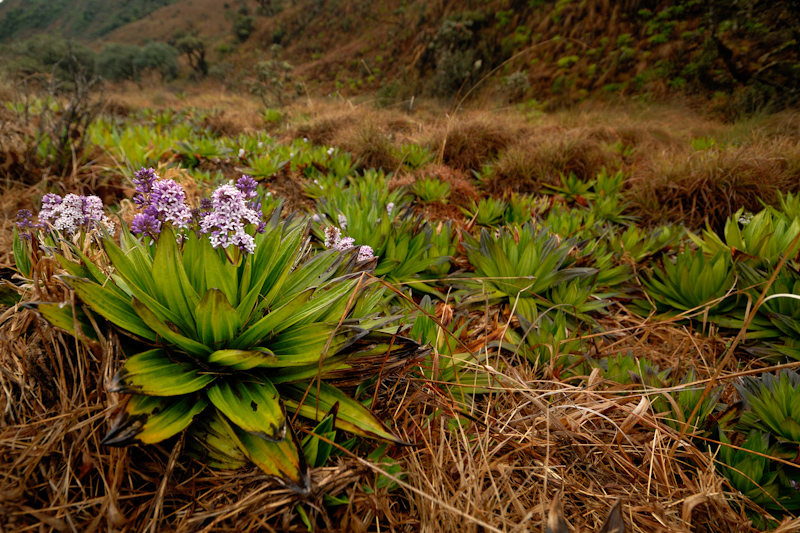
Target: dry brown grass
<point>542,159</point>
<point>466,143</point>
<point>16,161</point>
<point>233,122</point>
<point>708,186</point>
<point>462,189</point>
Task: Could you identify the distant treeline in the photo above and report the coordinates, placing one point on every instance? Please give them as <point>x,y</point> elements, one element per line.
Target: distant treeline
<point>116,62</point>
<point>81,18</point>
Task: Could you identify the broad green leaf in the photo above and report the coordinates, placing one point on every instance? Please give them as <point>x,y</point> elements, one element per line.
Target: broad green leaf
<point>60,315</point>
<point>173,288</point>
<point>217,321</point>
<point>278,319</point>
<point>261,264</point>
<point>212,442</point>
<point>75,269</point>
<point>153,373</point>
<point>95,273</point>
<point>220,273</point>
<point>351,416</point>
<point>252,405</point>
<point>22,257</point>
<point>282,460</point>
<point>304,345</point>
<point>190,346</point>
<point>193,263</point>
<point>110,306</point>
<point>151,419</point>
<point>291,374</point>
<point>290,247</point>
<point>329,302</point>
<point>315,449</point>
<point>243,359</point>
<point>310,273</point>
<point>133,265</point>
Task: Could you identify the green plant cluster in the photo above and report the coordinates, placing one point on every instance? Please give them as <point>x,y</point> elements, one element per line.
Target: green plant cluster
<point>281,327</point>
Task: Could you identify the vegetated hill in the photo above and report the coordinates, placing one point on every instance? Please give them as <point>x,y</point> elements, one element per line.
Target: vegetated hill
<point>83,19</point>
<point>530,51</point>
<point>557,51</point>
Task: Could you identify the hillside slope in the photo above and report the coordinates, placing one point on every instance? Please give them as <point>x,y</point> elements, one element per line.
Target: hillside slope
<point>83,19</point>
<point>523,51</point>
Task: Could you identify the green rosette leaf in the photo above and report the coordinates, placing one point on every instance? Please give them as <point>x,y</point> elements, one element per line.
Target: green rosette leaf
<point>154,373</point>
<point>151,419</point>
<point>252,405</point>
<point>320,398</point>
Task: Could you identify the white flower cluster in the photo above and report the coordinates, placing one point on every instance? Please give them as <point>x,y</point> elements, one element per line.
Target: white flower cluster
<point>225,224</point>
<point>72,212</point>
<point>334,239</point>
<point>746,217</point>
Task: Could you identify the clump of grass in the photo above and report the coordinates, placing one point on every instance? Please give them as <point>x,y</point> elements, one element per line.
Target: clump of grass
<point>710,186</point>
<point>325,129</point>
<point>468,144</point>
<point>372,147</point>
<point>231,122</point>
<point>531,163</point>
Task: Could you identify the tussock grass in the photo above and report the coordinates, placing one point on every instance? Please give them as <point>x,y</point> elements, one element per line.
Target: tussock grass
<point>708,186</point>
<point>540,160</point>
<point>468,143</point>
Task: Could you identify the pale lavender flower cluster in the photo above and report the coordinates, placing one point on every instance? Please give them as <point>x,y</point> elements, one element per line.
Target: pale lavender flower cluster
<point>72,213</point>
<point>232,208</point>
<point>334,239</point>
<point>161,200</point>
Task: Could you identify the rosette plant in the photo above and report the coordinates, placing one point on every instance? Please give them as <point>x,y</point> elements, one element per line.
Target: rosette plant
<point>234,324</point>
<point>521,265</point>
<point>763,239</point>
<point>691,283</point>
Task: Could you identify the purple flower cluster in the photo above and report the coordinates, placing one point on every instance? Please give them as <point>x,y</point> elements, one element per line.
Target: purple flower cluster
<point>72,213</point>
<point>161,200</point>
<point>233,207</point>
<point>334,239</point>
<point>25,224</point>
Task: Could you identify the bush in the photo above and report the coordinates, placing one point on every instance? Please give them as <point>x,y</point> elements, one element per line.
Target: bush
<point>243,27</point>
<point>46,53</point>
<point>157,57</point>
<point>117,62</point>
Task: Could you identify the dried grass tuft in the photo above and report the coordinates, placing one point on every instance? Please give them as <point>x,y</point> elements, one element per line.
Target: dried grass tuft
<point>533,162</point>
<point>468,143</point>
<point>709,186</point>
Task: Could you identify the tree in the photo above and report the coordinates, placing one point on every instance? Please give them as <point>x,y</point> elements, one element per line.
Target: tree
<point>273,76</point>
<point>116,62</point>
<point>194,48</point>
<point>158,57</point>
<point>270,8</point>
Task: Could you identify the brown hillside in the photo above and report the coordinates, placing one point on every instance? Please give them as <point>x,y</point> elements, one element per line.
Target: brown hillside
<point>208,17</point>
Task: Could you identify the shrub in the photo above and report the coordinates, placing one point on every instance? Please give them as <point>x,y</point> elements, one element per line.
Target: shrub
<point>532,163</point>
<point>117,62</point>
<point>243,27</point>
<point>45,53</point>
<point>157,57</point>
